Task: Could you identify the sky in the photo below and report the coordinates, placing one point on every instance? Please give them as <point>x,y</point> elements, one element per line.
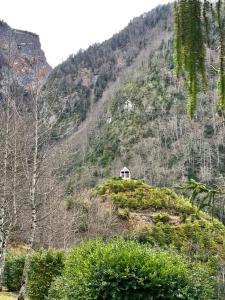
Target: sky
<point>65,26</point>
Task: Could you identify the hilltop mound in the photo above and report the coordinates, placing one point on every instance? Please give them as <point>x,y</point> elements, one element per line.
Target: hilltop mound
<point>163,218</point>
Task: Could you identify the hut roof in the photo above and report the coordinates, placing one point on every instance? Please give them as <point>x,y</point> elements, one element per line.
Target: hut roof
<point>125,170</point>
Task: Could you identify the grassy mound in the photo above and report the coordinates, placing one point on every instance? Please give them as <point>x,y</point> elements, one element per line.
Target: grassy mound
<point>136,194</point>
<point>163,218</point>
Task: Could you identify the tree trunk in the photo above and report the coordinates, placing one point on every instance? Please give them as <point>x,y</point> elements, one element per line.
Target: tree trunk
<point>34,177</point>
<point>23,289</point>
<point>3,232</point>
<point>2,247</point>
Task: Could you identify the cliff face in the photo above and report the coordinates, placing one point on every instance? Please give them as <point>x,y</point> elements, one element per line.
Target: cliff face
<point>21,57</point>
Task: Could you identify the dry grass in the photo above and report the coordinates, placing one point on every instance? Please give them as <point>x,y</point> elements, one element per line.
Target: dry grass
<point>8,296</point>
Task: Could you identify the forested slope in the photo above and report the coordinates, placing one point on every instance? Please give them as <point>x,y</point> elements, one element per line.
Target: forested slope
<point>81,80</point>
<point>139,119</point>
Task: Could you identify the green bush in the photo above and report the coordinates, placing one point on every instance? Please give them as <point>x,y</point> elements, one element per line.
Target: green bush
<point>198,239</point>
<point>123,213</point>
<point>162,217</point>
<point>13,271</point>
<point>125,270</point>
<point>57,289</point>
<point>136,194</point>
<point>44,267</point>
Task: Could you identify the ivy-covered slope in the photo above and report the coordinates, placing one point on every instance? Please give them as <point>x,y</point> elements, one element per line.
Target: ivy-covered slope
<point>163,218</point>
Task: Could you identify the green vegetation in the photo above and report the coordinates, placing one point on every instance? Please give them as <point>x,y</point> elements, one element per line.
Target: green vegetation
<point>199,239</point>
<point>136,194</point>
<point>202,196</point>
<point>123,270</point>
<point>13,271</point>
<point>44,267</point>
<point>172,251</point>
<point>194,22</point>
<point>162,218</point>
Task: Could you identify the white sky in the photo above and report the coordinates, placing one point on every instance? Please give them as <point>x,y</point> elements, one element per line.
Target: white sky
<point>65,26</point>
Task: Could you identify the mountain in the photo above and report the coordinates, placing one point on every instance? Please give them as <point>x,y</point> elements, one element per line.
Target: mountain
<point>81,80</point>
<point>121,104</point>
<point>115,104</point>
<point>21,59</point>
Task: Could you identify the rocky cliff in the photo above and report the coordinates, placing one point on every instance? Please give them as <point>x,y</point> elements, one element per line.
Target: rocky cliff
<point>21,57</point>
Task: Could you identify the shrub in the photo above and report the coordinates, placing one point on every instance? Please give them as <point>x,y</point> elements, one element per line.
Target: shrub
<point>57,289</point>
<point>44,267</point>
<point>136,194</point>
<point>123,213</point>
<point>13,271</point>
<point>127,270</point>
<point>198,239</point>
<point>162,217</point>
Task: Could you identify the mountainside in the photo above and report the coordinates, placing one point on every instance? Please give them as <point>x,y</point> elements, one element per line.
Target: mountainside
<point>21,59</point>
<point>137,115</point>
<point>65,135</point>
<point>119,103</point>
<point>80,81</point>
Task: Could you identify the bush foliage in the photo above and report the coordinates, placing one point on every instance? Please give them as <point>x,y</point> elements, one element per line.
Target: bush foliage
<point>137,194</point>
<point>44,267</point>
<point>163,218</point>
<point>127,270</point>
<point>13,271</point>
<point>199,239</point>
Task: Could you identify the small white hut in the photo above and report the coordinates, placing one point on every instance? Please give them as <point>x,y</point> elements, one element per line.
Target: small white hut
<point>125,173</point>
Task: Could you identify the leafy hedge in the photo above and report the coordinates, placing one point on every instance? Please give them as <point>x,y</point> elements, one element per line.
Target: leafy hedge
<point>44,267</point>
<point>13,271</point>
<point>125,270</point>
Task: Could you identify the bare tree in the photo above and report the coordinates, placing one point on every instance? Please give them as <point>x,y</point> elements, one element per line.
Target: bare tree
<point>38,168</point>
<point>8,156</point>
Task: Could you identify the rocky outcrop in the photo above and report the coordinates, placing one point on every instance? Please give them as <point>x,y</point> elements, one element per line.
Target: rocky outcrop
<point>21,57</point>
